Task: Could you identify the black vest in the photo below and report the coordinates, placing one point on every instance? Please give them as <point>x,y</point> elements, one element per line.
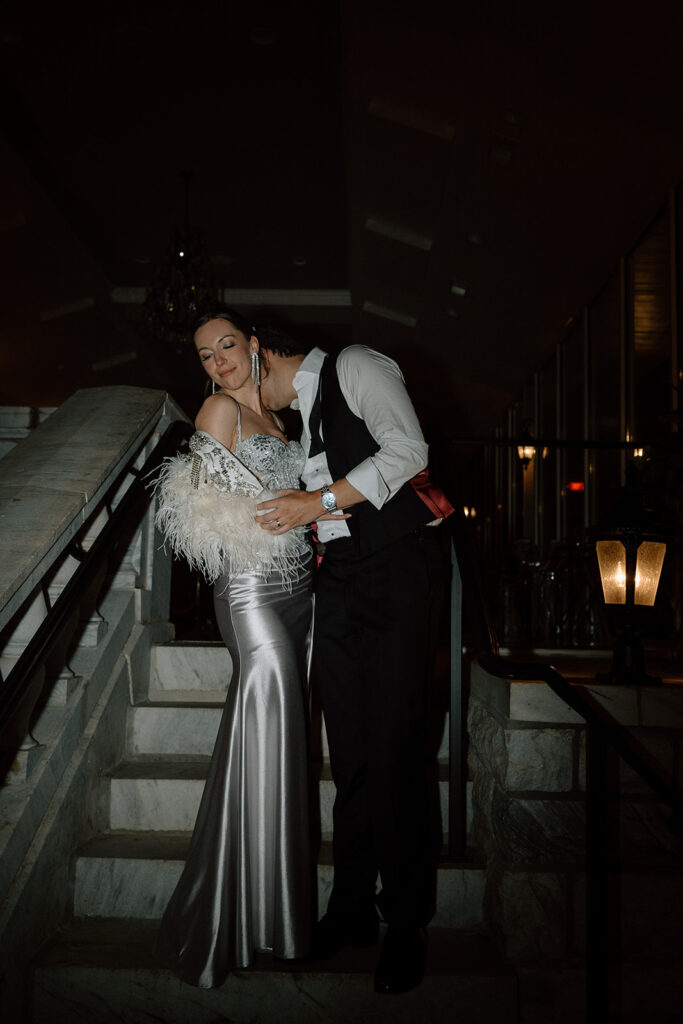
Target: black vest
<point>347,442</point>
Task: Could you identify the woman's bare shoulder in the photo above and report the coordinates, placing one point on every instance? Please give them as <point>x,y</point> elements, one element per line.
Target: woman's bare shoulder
<point>218,417</point>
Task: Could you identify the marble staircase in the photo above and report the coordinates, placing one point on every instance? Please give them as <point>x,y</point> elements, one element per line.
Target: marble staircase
<point>100,967</point>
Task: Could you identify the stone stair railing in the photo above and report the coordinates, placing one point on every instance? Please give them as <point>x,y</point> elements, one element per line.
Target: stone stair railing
<point>59,489</point>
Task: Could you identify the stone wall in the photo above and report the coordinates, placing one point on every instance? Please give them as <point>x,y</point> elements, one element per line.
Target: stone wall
<point>528,770</point>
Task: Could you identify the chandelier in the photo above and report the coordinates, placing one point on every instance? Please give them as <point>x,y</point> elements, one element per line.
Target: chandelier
<point>182,284</point>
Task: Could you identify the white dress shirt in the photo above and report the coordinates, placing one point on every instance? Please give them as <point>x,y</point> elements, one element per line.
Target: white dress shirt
<point>374,389</point>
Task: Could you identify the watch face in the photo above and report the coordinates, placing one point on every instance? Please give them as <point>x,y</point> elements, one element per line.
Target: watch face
<point>328,500</point>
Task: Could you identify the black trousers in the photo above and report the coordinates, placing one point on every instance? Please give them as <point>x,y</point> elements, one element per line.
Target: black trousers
<point>373,642</point>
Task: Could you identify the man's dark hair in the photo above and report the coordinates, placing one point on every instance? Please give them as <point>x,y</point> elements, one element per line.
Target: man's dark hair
<point>273,339</point>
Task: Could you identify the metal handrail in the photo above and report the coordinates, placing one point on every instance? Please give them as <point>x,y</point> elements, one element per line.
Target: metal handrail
<point>14,688</point>
<point>602,731</point>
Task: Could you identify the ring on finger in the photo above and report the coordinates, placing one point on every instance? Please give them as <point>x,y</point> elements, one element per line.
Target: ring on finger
<point>277,523</point>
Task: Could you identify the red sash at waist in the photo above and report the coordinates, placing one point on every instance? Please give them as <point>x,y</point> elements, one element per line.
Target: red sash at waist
<point>433,497</point>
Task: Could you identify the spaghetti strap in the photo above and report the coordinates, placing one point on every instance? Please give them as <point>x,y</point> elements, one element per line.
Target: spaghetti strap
<point>239,423</point>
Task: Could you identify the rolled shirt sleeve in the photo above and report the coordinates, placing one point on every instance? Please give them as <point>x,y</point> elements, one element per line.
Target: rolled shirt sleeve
<point>374,389</point>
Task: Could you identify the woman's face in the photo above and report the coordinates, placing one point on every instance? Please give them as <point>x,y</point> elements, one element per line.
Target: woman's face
<point>225,353</point>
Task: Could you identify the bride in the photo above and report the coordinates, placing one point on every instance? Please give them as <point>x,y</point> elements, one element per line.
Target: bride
<point>247,881</point>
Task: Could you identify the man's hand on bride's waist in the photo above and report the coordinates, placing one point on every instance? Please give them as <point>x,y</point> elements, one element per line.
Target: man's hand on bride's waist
<point>292,508</point>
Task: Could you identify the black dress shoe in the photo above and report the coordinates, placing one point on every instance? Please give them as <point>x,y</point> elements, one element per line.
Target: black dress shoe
<point>333,933</point>
<point>401,963</point>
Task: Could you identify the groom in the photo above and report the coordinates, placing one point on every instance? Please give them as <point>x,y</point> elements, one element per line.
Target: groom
<point>366,457</point>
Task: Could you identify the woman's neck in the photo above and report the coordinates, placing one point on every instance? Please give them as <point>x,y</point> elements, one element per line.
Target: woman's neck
<point>248,398</point>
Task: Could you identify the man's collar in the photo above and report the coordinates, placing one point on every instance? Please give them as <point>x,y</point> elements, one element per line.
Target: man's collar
<point>312,362</point>
<point>307,373</point>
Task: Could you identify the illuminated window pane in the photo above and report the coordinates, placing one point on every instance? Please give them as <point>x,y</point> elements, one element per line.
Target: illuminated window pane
<point>648,570</point>
<point>612,562</point>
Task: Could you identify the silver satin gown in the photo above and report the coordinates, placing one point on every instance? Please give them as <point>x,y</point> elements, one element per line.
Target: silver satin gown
<point>247,882</point>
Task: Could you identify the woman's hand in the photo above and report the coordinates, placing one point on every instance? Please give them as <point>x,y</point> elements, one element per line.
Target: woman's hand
<point>292,508</point>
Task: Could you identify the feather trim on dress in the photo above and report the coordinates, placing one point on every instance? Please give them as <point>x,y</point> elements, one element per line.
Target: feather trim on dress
<point>206,510</point>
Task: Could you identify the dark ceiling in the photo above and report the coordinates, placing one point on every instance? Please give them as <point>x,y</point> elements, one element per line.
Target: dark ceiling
<point>394,150</point>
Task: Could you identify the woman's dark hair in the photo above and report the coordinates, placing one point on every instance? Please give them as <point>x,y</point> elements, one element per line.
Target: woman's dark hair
<point>219,312</point>
<point>272,338</point>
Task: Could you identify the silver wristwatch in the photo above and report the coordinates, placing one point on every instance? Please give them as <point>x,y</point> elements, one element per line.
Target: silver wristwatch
<point>328,499</point>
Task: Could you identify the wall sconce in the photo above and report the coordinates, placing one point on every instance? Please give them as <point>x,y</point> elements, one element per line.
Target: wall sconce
<point>525,449</point>
<point>630,557</point>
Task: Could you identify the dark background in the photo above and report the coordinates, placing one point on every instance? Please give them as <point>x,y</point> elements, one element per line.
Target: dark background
<point>523,146</point>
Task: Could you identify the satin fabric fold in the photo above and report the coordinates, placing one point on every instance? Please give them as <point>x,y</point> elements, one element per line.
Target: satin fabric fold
<point>247,883</point>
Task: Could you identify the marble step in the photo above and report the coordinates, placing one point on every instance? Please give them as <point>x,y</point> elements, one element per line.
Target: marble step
<point>197,673</point>
<point>202,670</point>
<point>132,874</point>
<point>163,795</point>
<point>189,671</point>
<point>104,971</point>
<point>172,728</point>
<point>180,723</point>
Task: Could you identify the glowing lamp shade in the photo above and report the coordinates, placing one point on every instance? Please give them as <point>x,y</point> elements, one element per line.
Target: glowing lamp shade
<point>613,571</point>
<point>526,453</point>
<point>648,570</point>
<point>612,562</point>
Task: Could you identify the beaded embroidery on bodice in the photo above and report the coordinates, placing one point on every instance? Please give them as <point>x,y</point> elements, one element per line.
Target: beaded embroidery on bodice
<point>276,464</point>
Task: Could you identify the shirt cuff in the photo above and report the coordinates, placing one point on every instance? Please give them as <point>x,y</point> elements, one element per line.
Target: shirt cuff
<point>366,478</point>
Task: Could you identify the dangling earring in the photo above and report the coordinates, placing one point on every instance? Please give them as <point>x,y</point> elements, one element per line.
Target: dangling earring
<point>256,369</point>
<point>213,387</point>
